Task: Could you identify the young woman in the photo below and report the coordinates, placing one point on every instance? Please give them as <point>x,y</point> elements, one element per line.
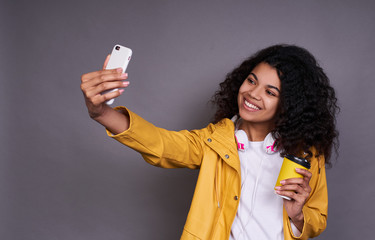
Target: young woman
<point>277,102</point>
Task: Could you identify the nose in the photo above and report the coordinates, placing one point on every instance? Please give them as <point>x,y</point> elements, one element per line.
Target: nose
<point>255,93</point>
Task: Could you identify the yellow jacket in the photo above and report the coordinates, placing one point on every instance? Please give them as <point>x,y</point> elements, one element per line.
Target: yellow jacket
<point>213,149</point>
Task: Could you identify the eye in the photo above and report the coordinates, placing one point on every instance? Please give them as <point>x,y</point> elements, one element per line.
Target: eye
<point>251,81</point>
<point>269,92</point>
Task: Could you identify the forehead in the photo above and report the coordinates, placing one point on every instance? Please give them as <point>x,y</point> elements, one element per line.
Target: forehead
<point>266,74</point>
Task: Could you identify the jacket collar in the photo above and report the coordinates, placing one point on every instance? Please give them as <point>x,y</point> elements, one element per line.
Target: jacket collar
<point>224,143</point>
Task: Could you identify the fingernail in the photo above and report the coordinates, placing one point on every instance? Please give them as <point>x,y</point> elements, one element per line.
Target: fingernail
<point>124,75</point>
<point>126,83</point>
<point>119,70</point>
<point>277,188</point>
<point>121,91</point>
<point>282,182</point>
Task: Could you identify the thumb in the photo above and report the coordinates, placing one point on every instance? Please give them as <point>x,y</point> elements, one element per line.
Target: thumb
<point>106,61</point>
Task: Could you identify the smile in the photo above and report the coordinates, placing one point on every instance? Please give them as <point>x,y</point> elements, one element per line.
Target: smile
<point>252,106</point>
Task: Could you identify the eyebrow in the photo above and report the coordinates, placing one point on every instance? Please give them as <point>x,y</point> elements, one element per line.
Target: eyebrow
<point>255,76</point>
<point>270,86</point>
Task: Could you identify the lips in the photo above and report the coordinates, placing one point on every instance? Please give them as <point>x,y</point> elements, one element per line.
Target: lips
<point>250,105</point>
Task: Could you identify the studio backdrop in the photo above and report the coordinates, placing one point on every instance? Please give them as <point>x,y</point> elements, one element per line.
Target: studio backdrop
<point>61,177</point>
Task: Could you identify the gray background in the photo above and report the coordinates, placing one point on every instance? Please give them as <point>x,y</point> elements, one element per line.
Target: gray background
<point>62,178</point>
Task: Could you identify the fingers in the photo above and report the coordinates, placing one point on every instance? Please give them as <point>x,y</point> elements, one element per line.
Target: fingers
<point>99,98</point>
<point>295,192</point>
<point>88,76</point>
<point>96,85</point>
<point>99,81</point>
<point>103,87</point>
<point>304,172</point>
<point>105,80</point>
<point>303,181</point>
<point>106,61</point>
<point>296,181</point>
<point>296,188</point>
<point>299,198</point>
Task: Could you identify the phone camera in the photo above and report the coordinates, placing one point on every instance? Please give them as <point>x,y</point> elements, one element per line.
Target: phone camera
<point>117,48</point>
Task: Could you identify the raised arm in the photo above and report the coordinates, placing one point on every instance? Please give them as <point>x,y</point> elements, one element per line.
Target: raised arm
<point>93,84</point>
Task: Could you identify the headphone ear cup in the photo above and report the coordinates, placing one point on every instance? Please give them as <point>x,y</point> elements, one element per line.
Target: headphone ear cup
<point>242,140</point>
<point>269,144</point>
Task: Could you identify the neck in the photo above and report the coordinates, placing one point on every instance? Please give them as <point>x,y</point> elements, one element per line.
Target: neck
<point>255,132</point>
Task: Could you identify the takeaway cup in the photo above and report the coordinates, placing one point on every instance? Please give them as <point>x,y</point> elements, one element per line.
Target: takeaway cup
<point>288,169</point>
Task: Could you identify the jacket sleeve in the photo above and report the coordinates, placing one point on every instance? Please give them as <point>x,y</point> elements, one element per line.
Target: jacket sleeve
<point>160,147</point>
<point>316,207</point>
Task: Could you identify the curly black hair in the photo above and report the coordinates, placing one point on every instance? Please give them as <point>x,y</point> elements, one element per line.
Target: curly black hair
<point>308,105</point>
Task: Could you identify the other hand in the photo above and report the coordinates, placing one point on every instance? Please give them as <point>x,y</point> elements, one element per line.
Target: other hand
<point>94,83</point>
<point>298,189</point>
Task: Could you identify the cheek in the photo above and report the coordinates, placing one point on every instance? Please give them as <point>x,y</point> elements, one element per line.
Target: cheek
<point>240,92</point>
<point>243,89</point>
<point>273,105</point>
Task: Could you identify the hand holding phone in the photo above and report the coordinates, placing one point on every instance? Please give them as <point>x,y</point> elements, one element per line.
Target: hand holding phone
<point>120,57</point>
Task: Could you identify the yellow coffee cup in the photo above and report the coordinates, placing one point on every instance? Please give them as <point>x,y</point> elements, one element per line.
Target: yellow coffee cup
<point>288,169</point>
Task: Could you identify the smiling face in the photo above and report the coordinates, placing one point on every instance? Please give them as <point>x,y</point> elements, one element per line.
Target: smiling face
<point>258,96</point>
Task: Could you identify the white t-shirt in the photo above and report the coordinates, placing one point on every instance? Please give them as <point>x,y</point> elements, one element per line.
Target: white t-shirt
<point>260,211</point>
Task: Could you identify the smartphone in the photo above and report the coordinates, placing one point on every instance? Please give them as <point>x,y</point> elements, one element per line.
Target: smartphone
<point>120,57</point>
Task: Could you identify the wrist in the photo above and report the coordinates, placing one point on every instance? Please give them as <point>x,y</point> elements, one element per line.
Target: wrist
<point>114,120</point>
<point>298,218</point>
<point>298,221</point>
<point>97,115</point>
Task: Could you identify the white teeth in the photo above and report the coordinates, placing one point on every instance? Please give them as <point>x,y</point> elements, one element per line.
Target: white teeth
<point>251,105</point>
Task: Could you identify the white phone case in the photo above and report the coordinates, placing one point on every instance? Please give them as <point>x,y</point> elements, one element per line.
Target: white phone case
<point>120,57</point>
